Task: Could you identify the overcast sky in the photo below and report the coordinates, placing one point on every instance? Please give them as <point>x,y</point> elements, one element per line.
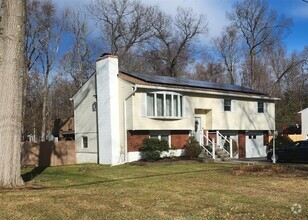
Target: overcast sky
<point>215,12</point>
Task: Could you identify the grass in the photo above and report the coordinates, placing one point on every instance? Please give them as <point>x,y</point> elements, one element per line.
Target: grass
<point>181,190</point>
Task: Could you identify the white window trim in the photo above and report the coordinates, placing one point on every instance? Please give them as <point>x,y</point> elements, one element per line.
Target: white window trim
<point>159,134</point>
<point>265,107</point>
<point>82,143</point>
<point>225,105</point>
<point>179,107</point>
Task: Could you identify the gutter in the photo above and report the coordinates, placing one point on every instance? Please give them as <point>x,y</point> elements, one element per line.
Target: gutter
<point>207,92</point>
<point>125,124</point>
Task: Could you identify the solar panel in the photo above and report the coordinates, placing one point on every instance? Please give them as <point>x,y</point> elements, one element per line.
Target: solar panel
<point>166,80</point>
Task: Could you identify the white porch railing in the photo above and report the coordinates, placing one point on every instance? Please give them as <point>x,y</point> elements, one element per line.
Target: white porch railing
<point>213,143</point>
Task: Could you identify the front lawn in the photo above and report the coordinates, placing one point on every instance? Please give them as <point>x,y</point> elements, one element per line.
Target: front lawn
<point>180,190</point>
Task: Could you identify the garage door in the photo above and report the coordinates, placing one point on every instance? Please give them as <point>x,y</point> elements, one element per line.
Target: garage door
<point>254,145</point>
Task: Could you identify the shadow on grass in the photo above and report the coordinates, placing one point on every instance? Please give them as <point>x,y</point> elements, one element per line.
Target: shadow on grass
<point>32,174</point>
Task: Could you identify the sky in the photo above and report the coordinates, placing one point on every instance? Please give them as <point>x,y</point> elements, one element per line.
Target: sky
<point>215,12</point>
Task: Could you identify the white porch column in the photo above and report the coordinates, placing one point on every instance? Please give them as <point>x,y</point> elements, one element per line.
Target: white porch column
<point>108,110</point>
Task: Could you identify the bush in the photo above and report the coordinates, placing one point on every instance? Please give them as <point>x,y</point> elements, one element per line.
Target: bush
<point>192,148</point>
<point>280,141</point>
<point>153,147</point>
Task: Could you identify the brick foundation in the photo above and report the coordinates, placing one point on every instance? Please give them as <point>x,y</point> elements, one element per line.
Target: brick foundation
<point>242,144</point>
<point>134,139</point>
<point>179,139</point>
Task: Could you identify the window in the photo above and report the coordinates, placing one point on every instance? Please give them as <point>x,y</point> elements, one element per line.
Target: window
<point>163,104</point>
<point>84,142</point>
<point>260,107</point>
<point>161,135</point>
<point>150,104</point>
<point>227,105</point>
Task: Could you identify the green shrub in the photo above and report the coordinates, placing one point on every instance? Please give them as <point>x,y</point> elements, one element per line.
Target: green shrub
<point>280,141</point>
<point>153,147</point>
<point>192,148</point>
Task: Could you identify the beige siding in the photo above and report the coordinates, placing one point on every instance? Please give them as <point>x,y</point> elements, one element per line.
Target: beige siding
<point>85,117</point>
<point>125,89</point>
<point>243,117</point>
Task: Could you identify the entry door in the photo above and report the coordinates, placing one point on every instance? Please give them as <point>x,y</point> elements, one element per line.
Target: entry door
<point>198,130</point>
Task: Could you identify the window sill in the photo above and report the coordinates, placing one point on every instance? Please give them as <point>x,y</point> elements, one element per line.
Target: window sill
<point>164,118</point>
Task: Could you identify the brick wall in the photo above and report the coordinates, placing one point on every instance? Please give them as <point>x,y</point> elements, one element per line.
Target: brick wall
<point>242,144</point>
<point>179,138</point>
<point>48,153</point>
<point>134,139</point>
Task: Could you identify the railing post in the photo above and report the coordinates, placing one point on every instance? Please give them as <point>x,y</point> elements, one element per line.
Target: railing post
<point>213,149</point>
<point>217,138</point>
<point>231,148</point>
<point>200,137</point>
<point>207,138</point>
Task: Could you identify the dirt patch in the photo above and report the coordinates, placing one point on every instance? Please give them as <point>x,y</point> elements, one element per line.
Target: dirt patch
<point>270,170</point>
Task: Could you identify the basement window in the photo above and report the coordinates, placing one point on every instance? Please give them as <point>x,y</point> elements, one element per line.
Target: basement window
<point>161,135</point>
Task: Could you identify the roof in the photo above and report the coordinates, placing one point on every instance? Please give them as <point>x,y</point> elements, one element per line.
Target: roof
<point>165,80</point>
<point>304,110</point>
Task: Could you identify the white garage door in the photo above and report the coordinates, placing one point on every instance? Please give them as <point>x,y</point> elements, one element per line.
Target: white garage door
<point>254,145</point>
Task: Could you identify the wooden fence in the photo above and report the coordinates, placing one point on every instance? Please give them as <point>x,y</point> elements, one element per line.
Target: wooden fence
<point>48,153</point>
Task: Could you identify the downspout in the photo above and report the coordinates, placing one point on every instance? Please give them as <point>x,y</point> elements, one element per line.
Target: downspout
<point>125,124</point>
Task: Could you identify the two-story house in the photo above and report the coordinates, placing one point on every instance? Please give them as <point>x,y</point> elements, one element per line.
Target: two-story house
<point>116,110</point>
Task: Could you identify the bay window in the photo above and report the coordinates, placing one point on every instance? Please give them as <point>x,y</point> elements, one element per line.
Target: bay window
<point>164,104</point>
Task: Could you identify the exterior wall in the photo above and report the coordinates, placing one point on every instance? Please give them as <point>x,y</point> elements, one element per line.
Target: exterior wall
<point>244,115</point>
<point>242,144</point>
<point>142,122</point>
<point>134,139</point>
<point>125,90</point>
<point>179,139</point>
<point>304,115</point>
<point>85,121</point>
<point>48,153</point>
<point>136,155</point>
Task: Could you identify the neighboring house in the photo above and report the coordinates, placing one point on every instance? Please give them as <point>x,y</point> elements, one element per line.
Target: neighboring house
<point>304,114</point>
<point>64,130</point>
<point>67,129</point>
<point>116,110</point>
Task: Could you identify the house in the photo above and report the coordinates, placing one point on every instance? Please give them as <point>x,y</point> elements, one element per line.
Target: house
<point>304,116</point>
<point>64,130</point>
<point>115,110</point>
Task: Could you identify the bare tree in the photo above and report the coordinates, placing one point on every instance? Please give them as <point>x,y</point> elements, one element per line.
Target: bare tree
<point>228,48</point>
<point>260,27</point>
<point>12,23</point>
<point>124,24</point>
<point>78,62</point>
<point>43,41</point>
<point>172,46</point>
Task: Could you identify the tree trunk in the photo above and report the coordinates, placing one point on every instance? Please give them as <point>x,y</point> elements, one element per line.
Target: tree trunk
<point>11,72</point>
<point>44,110</point>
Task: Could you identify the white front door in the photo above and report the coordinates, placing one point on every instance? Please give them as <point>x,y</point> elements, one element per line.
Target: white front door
<point>254,145</point>
<point>198,130</point>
